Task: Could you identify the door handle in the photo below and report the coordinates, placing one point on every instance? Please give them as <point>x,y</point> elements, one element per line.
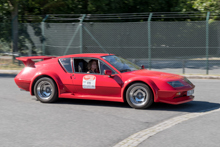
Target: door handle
<point>71,77</point>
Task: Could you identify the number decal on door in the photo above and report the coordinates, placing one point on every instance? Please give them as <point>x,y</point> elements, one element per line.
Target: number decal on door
<point>89,82</point>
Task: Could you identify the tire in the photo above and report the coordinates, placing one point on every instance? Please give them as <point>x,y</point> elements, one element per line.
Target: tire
<point>139,96</point>
<point>46,90</point>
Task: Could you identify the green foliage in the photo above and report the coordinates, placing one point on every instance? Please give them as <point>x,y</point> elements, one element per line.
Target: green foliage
<point>4,46</point>
<point>36,7</point>
<point>5,37</point>
<point>207,5</point>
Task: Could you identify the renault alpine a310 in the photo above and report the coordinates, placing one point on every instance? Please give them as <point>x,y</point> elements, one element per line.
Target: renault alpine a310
<point>101,77</point>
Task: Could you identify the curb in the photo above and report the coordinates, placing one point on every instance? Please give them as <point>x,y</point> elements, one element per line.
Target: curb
<point>201,77</point>
<point>187,76</point>
<point>9,71</point>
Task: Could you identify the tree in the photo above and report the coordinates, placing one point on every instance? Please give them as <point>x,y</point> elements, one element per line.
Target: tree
<point>207,5</point>
<point>11,6</point>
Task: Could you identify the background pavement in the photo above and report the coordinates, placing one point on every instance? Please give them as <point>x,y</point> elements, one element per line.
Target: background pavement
<point>27,122</point>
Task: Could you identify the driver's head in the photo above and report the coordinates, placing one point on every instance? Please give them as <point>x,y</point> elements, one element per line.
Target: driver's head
<point>93,64</point>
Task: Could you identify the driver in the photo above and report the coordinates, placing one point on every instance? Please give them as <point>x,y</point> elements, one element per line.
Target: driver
<point>93,66</point>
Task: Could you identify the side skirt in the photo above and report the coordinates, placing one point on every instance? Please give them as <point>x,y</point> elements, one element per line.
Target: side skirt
<point>91,97</point>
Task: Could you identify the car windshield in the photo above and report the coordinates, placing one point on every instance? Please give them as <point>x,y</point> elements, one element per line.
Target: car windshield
<point>121,64</point>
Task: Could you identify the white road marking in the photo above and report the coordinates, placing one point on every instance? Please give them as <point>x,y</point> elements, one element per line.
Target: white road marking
<point>139,137</point>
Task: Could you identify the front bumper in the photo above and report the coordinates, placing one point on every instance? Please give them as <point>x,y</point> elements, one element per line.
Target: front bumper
<point>171,97</point>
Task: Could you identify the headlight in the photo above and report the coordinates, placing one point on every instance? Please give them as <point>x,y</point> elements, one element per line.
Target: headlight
<point>175,84</point>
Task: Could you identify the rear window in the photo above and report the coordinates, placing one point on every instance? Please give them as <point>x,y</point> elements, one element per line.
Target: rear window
<point>66,63</point>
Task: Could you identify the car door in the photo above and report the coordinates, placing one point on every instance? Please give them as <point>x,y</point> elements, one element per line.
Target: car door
<point>97,84</point>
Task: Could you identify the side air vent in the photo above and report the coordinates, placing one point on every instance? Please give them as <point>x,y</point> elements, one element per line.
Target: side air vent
<point>66,64</point>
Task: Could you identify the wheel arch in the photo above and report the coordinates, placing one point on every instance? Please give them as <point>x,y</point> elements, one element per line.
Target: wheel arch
<point>151,85</point>
<point>52,76</point>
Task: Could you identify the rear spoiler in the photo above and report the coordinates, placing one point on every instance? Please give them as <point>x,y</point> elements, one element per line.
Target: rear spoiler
<point>28,60</point>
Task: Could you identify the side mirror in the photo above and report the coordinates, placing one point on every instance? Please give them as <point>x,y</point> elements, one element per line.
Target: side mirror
<point>142,66</point>
<point>108,72</point>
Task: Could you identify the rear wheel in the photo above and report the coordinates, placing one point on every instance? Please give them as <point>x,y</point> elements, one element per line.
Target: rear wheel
<point>139,96</point>
<point>46,90</point>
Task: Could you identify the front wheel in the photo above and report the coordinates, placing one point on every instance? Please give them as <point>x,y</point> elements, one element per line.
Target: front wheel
<point>139,96</point>
<point>46,90</point>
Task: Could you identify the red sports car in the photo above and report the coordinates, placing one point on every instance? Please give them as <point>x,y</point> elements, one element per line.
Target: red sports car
<point>101,77</point>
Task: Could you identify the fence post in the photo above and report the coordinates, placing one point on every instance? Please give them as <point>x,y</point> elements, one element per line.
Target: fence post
<point>81,33</point>
<point>79,28</point>
<point>30,51</point>
<point>43,34</point>
<point>149,41</point>
<point>184,64</point>
<point>207,43</point>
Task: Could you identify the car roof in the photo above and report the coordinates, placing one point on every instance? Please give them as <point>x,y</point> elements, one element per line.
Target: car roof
<point>94,55</point>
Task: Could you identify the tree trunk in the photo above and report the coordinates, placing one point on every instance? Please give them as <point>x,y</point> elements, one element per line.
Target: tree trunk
<point>14,15</point>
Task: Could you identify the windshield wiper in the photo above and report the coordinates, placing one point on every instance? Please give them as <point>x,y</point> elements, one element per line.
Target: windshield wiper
<point>125,70</point>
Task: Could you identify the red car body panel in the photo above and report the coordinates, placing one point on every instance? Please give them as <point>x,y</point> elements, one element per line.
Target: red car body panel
<point>112,88</point>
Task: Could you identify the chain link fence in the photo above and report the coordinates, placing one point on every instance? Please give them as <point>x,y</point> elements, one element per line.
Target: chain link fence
<point>189,47</point>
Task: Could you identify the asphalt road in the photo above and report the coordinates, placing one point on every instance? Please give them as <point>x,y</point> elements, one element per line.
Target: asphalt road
<point>27,122</point>
<point>202,131</point>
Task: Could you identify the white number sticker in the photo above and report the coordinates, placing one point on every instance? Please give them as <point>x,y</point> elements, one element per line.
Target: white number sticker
<point>89,82</point>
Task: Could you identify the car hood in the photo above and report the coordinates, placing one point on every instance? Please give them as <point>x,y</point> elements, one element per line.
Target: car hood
<point>156,74</point>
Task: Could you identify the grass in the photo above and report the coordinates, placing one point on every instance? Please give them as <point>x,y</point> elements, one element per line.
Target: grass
<point>7,64</point>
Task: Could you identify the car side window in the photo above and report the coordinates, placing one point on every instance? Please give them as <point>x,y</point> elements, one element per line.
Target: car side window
<point>86,65</point>
<point>80,65</point>
<point>104,67</point>
<point>66,64</point>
